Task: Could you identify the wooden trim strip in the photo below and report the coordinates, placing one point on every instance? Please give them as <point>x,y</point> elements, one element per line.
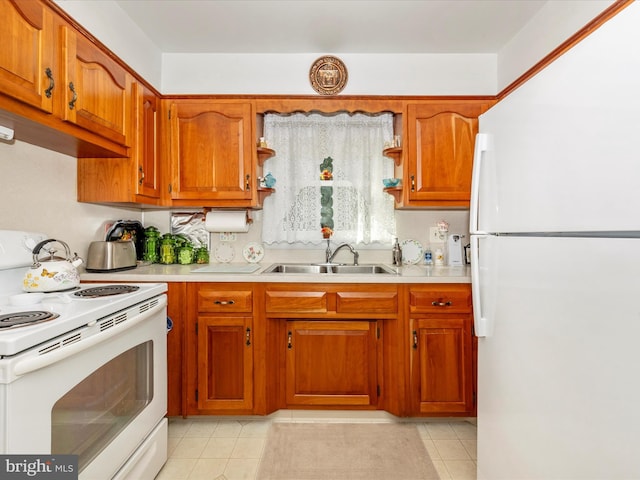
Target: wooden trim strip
<point>584,32</point>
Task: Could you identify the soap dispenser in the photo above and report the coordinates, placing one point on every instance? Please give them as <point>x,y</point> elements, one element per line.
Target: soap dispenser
<point>397,253</point>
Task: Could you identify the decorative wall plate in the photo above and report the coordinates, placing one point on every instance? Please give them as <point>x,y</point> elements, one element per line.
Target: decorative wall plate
<point>328,75</point>
<point>224,252</point>
<point>411,251</point>
<point>253,252</point>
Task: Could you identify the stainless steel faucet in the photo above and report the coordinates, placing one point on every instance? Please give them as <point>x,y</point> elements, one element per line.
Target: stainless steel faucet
<point>329,255</point>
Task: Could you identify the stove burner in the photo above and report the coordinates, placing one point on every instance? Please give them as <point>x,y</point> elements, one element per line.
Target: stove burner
<point>106,291</point>
<point>24,319</point>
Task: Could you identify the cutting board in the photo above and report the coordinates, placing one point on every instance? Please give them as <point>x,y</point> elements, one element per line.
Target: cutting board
<point>228,268</point>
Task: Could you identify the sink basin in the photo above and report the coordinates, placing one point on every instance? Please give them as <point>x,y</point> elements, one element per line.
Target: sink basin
<point>329,269</point>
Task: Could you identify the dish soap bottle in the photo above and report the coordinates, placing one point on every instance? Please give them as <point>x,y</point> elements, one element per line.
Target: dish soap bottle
<point>397,253</point>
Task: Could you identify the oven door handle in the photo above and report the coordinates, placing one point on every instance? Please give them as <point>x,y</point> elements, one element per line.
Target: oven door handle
<point>36,363</point>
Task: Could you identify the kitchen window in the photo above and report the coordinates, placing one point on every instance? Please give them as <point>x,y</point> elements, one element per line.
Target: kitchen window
<point>350,146</point>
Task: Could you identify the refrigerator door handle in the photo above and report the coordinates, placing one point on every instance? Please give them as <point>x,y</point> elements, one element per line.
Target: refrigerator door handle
<point>481,146</point>
<point>480,322</point>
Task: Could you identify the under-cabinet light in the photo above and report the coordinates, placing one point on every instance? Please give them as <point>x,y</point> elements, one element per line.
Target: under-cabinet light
<point>6,133</point>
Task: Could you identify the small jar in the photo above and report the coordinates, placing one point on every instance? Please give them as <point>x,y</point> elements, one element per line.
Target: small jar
<point>151,245</point>
<point>167,249</point>
<point>439,257</point>
<point>202,255</point>
<point>185,254</point>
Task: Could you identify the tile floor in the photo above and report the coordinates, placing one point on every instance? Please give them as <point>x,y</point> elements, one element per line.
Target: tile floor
<point>229,448</point>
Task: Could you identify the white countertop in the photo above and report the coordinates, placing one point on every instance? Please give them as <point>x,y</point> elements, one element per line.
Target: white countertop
<point>184,273</point>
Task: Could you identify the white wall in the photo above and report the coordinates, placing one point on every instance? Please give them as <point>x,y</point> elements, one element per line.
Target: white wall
<point>554,23</point>
<point>408,74</point>
<point>108,23</point>
<point>38,193</point>
<point>288,74</point>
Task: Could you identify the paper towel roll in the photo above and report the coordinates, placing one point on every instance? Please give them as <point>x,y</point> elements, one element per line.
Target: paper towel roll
<point>226,221</point>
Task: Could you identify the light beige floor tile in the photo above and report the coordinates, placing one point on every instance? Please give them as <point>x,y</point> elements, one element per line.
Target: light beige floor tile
<point>172,442</point>
<point>218,447</point>
<point>465,430</point>
<point>176,469</point>
<point>431,448</point>
<point>461,469</point>
<point>241,468</point>
<point>178,426</point>
<point>257,429</point>
<point>227,428</point>
<point>208,468</point>
<point>451,450</point>
<point>190,447</point>
<point>471,446</point>
<point>440,431</point>
<point>248,448</point>
<point>442,470</point>
<point>201,428</point>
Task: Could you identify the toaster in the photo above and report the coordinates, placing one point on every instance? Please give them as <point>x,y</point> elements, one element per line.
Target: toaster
<point>111,256</point>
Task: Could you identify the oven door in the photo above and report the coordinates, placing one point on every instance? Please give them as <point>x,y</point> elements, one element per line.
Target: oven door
<point>98,397</point>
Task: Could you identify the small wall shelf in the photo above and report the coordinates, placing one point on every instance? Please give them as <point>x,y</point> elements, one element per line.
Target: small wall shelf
<point>264,153</point>
<point>264,193</point>
<point>395,153</point>
<point>396,192</point>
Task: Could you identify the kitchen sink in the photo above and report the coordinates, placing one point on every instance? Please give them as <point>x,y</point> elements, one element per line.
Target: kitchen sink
<point>307,268</point>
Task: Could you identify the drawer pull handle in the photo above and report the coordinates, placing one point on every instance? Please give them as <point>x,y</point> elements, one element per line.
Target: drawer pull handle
<point>248,183</point>
<point>441,304</point>
<point>289,340</point>
<point>224,302</point>
<point>248,337</point>
<point>413,183</point>
<point>415,339</point>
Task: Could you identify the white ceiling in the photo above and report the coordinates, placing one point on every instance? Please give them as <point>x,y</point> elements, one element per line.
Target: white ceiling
<point>330,26</point>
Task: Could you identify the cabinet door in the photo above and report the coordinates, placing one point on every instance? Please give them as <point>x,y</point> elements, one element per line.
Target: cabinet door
<point>98,90</point>
<point>440,141</point>
<point>441,365</point>
<point>26,57</point>
<point>331,363</point>
<point>146,144</point>
<point>212,151</point>
<point>225,363</point>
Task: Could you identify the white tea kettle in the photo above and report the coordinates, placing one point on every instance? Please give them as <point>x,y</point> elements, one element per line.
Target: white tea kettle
<point>52,274</point>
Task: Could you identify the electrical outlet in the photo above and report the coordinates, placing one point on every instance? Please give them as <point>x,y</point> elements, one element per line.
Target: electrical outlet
<point>227,237</point>
<point>434,235</point>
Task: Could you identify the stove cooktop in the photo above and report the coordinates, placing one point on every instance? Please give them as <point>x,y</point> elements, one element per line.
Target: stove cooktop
<point>70,310</point>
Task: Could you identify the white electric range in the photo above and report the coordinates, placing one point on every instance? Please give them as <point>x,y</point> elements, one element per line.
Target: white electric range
<point>82,372</point>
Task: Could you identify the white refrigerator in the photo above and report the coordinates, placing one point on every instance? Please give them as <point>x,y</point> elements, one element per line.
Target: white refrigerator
<point>555,233</point>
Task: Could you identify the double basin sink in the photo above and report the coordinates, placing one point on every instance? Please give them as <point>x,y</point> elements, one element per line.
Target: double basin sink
<point>307,268</point>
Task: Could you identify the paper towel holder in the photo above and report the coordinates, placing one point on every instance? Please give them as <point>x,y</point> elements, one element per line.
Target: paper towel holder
<point>206,210</point>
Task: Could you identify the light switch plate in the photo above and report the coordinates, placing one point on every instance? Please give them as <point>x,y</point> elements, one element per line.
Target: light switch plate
<point>227,237</point>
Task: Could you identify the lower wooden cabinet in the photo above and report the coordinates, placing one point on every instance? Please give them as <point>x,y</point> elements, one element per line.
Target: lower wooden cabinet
<point>220,349</point>
<point>442,358</point>
<point>331,363</point>
<point>225,363</point>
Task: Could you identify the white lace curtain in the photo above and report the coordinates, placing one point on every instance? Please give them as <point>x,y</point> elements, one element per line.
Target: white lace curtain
<point>360,211</point>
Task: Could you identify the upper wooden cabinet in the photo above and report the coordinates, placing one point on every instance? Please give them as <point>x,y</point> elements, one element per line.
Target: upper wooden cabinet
<point>98,91</point>
<point>439,153</point>
<point>130,180</point>
<point>212,153</point>
<point>27,55</point>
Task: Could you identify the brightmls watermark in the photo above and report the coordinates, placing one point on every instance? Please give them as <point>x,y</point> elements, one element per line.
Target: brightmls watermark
<point>38,467</point>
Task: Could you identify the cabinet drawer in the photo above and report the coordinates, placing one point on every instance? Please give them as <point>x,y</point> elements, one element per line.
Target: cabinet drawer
<point>440,298</point>
<point>221,301</point>
<point>361,302</point>
<point>296,301</point>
